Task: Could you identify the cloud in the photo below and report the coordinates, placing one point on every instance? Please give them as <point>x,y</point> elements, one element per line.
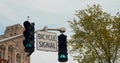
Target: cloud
<point>50,5</point>
<point>6,11</point>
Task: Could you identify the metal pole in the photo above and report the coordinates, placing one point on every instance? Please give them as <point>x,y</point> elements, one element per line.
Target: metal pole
<point>20,35</point>
<point>10,38</point>
<point>13,37</point>
<point>61,30</point>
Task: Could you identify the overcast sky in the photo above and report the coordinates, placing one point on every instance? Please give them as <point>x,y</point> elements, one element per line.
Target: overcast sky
<point>51,13</point>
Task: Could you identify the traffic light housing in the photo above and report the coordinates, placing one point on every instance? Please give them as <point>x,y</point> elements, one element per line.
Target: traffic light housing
<point>62,48</point>
<point>28,34</point>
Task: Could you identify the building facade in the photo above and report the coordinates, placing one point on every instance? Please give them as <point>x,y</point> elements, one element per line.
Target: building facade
<point>12,51</point>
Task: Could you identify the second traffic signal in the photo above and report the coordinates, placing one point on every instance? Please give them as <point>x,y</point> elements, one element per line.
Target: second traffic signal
<point>29,37</point>
<point>62,48</point>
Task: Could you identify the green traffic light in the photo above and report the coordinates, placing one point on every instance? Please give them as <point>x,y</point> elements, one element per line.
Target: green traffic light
<point>29,45</point>
<point>62,56</point>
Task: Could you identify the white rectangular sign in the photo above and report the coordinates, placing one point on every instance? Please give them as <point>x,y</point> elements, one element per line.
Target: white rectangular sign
<point>46,41</point>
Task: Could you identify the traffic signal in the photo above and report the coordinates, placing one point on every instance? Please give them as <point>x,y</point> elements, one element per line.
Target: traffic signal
<point>28,34</point>
<point>62,48</point>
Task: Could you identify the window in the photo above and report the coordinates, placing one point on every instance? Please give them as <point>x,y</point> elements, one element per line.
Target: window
<point>16,27</point>
<point>17,61</point>
<point>15,33</point>
<point>2,50</point>
<point>11,34</point>
<point>1,54</point>
<point>18,58</point>
<point>9,59</point>
<point>10,54</point>
<point>2,47</point>
<point>10,49</point>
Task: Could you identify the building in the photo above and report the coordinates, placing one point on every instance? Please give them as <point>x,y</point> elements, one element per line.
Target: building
<point>12,51</point>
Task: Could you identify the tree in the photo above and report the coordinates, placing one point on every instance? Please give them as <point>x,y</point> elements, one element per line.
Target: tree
<point>96,37</point>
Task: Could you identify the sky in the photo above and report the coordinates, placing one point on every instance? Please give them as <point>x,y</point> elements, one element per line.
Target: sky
<point>51,13</point>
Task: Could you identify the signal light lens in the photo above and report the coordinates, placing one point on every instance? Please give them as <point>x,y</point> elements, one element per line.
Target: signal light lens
<point>63,56</point>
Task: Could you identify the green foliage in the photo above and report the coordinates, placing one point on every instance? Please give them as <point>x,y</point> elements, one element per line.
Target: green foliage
<point>96,36</point>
